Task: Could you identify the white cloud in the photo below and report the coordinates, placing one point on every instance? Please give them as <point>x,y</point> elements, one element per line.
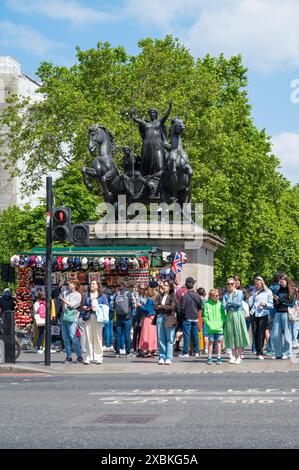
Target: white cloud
<point>266,32</point>
<point>23,37</point>
<point>163,14</point>
<point>70,10</point>
<point>286,147</point>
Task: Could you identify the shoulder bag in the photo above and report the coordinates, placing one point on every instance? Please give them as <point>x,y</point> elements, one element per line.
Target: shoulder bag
<point>39,320</point>
<point>69,315</point>
<point>102,313</point>
<point>293,313</point>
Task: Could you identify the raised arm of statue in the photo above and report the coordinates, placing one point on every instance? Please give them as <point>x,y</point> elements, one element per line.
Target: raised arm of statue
<point>164,118</point>
<point>135,119</point>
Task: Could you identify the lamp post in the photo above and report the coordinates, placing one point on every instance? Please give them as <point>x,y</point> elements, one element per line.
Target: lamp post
<point>49,195</point>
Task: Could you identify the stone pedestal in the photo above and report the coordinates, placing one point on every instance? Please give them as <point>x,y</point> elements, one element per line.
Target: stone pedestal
<point>199,245</point>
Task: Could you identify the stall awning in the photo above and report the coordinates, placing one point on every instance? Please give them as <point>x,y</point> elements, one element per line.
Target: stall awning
<point>100,251</point>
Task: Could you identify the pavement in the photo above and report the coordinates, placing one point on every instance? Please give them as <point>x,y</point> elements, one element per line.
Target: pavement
<point>32,362</point>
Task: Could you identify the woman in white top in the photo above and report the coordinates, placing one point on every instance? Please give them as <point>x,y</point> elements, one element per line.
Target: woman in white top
<point>94,329</point>
<point>260,303</point>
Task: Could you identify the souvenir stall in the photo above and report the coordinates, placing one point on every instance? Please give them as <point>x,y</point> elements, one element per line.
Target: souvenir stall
<point>109,266</point>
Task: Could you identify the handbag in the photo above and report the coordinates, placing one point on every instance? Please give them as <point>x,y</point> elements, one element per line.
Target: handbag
<point>246,310</point>
<point>293,313</point>
<point>154,320</point>
<point>170,321</point>
<point>102,313</point>
<point>69,315</point>
<point>86,315</point>
<point>39,320</point>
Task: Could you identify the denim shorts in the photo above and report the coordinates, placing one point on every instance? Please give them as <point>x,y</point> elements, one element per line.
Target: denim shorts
<point>204,330</point>
<point>215,337</point>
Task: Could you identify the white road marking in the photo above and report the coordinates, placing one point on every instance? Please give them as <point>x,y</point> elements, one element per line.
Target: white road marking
<point>160,396</point>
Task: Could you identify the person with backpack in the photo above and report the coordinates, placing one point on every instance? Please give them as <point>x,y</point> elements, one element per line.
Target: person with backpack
<point>190,306</point>
<point>124,305</point>
<point>94,329</point>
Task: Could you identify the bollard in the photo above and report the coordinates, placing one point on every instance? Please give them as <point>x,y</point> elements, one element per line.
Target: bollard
<point>9,336</point>
<point>2,347</point>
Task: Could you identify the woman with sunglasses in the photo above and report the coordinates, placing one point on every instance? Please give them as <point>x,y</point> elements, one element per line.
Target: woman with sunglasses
<point>166,322</point>
<point>235,331</point>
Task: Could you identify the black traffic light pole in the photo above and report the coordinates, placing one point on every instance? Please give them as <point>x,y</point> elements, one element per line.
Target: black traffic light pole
<point>48,270</point>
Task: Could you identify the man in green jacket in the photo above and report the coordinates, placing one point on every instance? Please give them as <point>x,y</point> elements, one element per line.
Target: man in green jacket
<point>214,319</point>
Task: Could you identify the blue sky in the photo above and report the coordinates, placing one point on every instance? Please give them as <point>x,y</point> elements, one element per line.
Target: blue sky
<point>266,32</point>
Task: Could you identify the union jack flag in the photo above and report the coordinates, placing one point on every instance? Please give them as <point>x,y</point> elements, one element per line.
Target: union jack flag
<point>177,265</point>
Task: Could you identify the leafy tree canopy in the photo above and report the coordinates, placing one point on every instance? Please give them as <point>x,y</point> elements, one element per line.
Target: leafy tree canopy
<point>245,198</point>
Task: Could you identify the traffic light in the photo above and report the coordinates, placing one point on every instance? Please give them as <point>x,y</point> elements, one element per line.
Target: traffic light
<point>61,227</point>
<point>64,231</point>
<point>79,234</point>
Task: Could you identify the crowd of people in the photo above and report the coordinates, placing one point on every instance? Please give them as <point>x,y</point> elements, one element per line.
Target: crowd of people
<point>155,320</point>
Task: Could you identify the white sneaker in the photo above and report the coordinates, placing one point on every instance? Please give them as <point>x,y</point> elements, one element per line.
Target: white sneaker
<point>260,357</point>
<point>232,360</point>
<point>206,351</point>
<point>184,355</point>
<point>105,349</point>
<point>196,354</point>
<point>285,357</point>
<point>161,362</point>
<point>111,348</point>
<point>295,345</point>
<point>168,362</point>
<point>238,360</point>
<point>242,356</point>
<point>40,351</point>
<point>52,351</point>
<point>122,351</point>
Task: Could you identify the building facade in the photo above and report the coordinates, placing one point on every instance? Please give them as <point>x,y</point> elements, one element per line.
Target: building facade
<point>12,81</point>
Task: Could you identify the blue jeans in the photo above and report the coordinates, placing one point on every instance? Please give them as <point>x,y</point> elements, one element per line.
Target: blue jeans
<point>165,339</point>
<point>123,327</point>
<point>294,330</point>
<point>69,336</point>
<point>281,335</point>
<point>108,334</point>
<point>190,327</point>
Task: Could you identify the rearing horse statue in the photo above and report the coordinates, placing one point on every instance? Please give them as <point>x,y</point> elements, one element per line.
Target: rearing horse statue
<point>101,144</point>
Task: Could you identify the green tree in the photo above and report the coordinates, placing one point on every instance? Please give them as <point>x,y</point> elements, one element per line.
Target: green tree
<point>20,230</point>
<point>236,177</point>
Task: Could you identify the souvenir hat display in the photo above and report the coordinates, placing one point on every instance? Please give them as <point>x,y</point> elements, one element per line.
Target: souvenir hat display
<point>136,267</point>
